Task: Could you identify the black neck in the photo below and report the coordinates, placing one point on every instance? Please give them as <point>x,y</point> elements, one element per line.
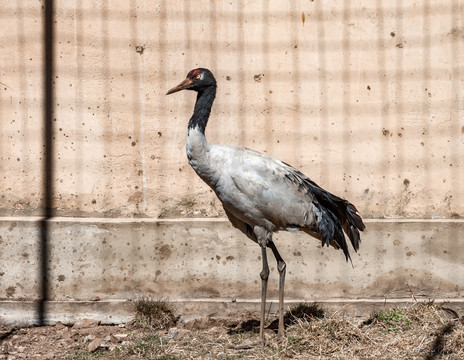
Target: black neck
<point>202,110</point>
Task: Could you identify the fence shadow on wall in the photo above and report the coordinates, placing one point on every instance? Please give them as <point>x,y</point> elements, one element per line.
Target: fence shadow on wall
<point>48,173</point>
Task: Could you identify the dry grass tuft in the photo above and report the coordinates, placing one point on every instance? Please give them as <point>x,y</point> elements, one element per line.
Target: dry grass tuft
<point>300,312</point>
<point>305,311</point>
<point>157,314</point>
<point>421,331</point>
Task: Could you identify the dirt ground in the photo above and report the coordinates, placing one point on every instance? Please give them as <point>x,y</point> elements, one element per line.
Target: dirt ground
<point>420,331</point>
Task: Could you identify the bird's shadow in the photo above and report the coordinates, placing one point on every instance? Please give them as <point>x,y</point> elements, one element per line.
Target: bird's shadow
<point>247,325</point>
<point>302,312</point>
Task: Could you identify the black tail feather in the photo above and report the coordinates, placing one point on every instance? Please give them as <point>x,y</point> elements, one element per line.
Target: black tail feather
<point>338,214</point>
<point>353,223</point>
<point>342,214</point>
<point>330,230</point>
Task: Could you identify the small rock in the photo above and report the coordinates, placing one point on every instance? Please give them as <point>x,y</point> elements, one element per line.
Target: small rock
<point>88,338</point>
<point>173,332</point>
<point>86,323</point>
<point>186,319</point>
<point>114,339</point>
<point>246,345</point>
<point>120,337</point>
<point>94,345</point>
<point>218,330</point>
<point>177,333</point>
<point>122,325</point>
<point>5,349</point>
<point>269,331</point>
<point>59,325</point>
<point>95,298</point>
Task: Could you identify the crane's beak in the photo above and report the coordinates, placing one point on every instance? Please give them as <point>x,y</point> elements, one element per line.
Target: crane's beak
<point>182,86</point>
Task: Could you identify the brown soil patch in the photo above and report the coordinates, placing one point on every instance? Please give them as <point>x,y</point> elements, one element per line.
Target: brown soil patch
<point>420,331</point>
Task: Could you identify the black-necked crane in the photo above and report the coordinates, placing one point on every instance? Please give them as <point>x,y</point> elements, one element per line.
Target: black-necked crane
<point>262,195</point>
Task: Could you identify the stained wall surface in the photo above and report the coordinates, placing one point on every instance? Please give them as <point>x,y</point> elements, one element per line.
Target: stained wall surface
<point>364,97</point>
<point>209,259</point>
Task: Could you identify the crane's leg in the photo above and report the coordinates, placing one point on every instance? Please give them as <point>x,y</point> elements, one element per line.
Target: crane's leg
<point>264,276</point>
<point>281,267</point>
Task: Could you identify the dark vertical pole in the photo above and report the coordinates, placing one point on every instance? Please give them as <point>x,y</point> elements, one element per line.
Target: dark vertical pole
<point>48,69</point>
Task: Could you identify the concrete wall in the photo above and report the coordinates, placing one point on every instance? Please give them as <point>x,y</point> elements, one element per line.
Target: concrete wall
<point>364,97</point>
<point>206,266</point>
<point>210,259</point>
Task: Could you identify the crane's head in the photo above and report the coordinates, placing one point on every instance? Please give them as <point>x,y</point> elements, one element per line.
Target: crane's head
<point>197,79</point>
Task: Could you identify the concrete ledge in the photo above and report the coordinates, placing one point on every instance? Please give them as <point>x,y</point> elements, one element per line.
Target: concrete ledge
<point>205,264</point>
<point>24,313</point>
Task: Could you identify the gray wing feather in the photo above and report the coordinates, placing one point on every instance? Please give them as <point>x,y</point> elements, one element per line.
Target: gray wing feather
<point>278,198</point>
<point>257,190</point>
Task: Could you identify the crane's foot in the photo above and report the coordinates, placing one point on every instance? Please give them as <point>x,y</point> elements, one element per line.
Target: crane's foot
<point>280,338</point>
<point>281,332</point>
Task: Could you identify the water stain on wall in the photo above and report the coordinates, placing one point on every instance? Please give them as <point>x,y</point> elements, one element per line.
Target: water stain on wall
<point>164,251</point>
<point>10,291</point>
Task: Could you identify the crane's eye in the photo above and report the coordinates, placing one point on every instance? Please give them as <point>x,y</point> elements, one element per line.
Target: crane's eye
<point>198,76</point>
